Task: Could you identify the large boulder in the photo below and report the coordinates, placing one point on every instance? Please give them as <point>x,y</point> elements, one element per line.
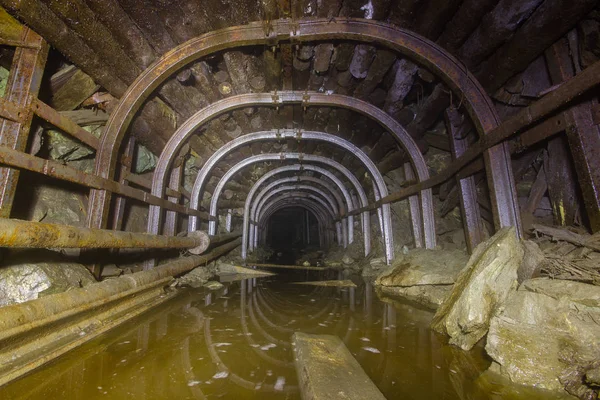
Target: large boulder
<point>485,283</point>
<point>425,267</point>
<point>546,335</point>
<point>24,281</point>
<point>430,296</point>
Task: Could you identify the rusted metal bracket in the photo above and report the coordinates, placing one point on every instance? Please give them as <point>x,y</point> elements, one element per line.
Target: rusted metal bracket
<point>10,111</point>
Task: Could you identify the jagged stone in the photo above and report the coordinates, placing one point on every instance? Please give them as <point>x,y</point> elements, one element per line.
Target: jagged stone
<point>425,267</point>
<point>213,285</point>
<point>62,147</point>
<point>546,335</point>
<point>347,260</point>
<point>22,281</point>
<point>532,260</point>
<point>430,296</point>
<point>196,278</point>
<point>145,161</point>
<point>482,287</point>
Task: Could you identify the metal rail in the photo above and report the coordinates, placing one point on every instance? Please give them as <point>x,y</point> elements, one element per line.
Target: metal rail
<point>54,169</point>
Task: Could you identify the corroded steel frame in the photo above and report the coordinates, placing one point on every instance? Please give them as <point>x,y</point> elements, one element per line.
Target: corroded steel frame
<point>294,156</point>
<point>248,233</point>
<point>316,99</point>
<point>412,46</point>
<point>303,199</point>
<point>338,204</point>
<point>323,197</point>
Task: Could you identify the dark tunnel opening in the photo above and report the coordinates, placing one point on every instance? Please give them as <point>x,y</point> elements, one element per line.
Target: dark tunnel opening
<point>292,232</point>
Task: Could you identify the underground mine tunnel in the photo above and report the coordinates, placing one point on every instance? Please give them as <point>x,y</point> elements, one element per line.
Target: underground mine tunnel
<point>306,199</point>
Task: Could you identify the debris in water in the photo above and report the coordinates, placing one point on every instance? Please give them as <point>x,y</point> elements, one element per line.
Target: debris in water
<point>268,346</point>
<point>280,383</point>
<point>193,383</point>
<point>222,344</point>
<point>336,283</point>
<point>221,375</point>
<point>371,349</point>
<point>364,339</point>
<point>320,324</point>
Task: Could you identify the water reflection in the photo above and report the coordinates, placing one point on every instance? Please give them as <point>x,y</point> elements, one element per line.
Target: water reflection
<point>235,343</point>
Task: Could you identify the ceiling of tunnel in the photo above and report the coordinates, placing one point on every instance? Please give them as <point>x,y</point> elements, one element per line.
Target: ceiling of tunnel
<point>113,41</point>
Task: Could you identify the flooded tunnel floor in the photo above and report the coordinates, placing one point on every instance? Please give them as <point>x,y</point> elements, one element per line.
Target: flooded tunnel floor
<point>235,344</point>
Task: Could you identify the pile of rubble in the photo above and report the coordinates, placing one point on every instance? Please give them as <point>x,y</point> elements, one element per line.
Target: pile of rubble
<point>539,330</point>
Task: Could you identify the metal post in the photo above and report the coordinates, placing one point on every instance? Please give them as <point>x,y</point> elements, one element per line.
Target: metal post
<point>471,218</point>
<point>23,85</point>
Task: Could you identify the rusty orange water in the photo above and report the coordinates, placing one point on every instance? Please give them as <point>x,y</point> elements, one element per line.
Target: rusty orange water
<point>234,344</point>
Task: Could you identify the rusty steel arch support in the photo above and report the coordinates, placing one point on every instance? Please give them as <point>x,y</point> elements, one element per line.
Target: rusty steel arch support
<point>350,201</point>
<point>302,199</point>
<point>379,187</point>
<point>264,197</point>
<point>477,103</point>
<point>297,193</point>
<point>303,157</point>
<point>340,209</point>
<point>294,97</point>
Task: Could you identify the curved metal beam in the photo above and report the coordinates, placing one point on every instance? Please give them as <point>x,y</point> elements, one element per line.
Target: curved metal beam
<point>300,199</point>
<point>341,232</point>
<point>412,46</point>
<point>299,167</point>
<point>293,97</point>
<point>246,232</point>
<point>380,188</point>
<point>293,191</point>
<point>297,199</point>
<point>293,156</point>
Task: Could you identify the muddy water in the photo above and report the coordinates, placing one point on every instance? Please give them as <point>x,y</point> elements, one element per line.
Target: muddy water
<point>234,344</point>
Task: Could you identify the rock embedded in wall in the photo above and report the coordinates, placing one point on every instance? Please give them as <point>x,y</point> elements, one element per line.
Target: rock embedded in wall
<point>23,279</point>
<point>480,289</point>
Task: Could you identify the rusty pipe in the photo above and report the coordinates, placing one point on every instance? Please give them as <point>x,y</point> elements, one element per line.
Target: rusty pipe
<point>18,318</point>
<point>29,234</point>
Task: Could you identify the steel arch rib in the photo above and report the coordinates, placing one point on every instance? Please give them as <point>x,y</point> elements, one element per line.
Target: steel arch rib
<point>286,201</point>
<point>342,233</point>
<point>296,156</point>
<point>317,209</point>
<point>300,168</point>
<point>411,45</point>
<point>291,192</point>
<point>278,134</point>
<point>298,189</point>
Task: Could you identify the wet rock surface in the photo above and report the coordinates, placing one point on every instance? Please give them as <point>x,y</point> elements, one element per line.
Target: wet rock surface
<point>422,276</point>
<point>25,279</point>
<point>546,335</point>
<point>480,289</point>
<point>425,267</point>
<point>197,277</point>
<point>430,296</point>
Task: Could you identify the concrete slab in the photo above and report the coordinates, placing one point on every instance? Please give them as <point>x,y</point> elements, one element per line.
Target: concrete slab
<point>327,370</point>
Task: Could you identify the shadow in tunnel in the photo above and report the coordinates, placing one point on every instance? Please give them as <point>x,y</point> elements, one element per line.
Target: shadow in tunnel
<point>291,233</point>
